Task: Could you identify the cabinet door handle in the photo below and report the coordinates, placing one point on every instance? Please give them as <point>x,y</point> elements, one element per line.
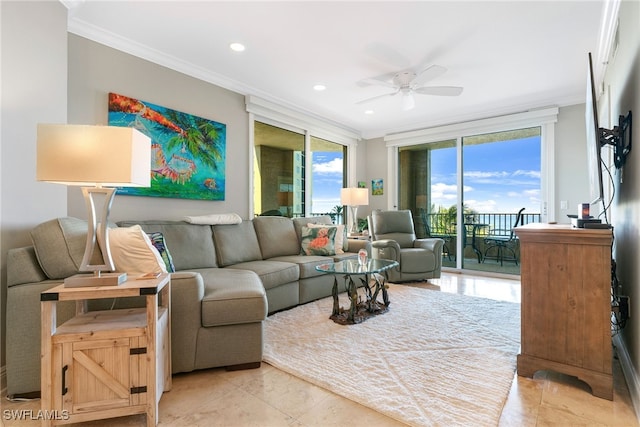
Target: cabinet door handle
<point>64,379</point>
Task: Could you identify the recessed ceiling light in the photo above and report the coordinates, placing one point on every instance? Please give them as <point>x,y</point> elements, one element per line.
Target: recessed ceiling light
<point>368,112</point>
<point>237,47</point>
<point>319,87</point>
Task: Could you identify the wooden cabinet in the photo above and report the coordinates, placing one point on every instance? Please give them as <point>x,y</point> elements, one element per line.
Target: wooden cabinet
<point>104,364</point>
<point>566,303</point>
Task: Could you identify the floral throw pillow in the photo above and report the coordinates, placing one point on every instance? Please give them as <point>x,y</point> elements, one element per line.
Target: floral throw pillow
<point>341,241</point>
<point>157,240</point>
<point>318,240</point>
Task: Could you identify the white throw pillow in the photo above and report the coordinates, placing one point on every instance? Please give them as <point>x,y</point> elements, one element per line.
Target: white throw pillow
<point>133,253</point>
<point>213,219</point>
<point>339,241</point>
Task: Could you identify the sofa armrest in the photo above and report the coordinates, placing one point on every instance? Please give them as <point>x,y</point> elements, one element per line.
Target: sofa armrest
<point>386,248</point>
<point>433,244</point>
<point>187,291</point>
<point>23,267</point>
<point>356,244</point>
<point>23,334</point>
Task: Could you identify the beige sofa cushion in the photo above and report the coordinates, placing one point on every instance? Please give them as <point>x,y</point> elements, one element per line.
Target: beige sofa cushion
<point>59,245</point>
<point>277,236</point>
<point>236,243</point>
<point>232,297</point>
<point>190,245</point>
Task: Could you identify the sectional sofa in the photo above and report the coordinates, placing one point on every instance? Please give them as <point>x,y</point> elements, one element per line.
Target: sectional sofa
<point>228,278</point>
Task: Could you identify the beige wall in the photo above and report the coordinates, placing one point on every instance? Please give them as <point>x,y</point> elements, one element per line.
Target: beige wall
<point>376,168</point>
<point>34,90</point>
<point>622,92</point>
<point>95,70</point>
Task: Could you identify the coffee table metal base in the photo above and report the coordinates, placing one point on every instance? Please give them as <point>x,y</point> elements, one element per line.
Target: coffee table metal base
<point>360,310</point>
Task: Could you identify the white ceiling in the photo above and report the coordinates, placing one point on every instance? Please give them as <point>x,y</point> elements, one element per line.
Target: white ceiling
<point>510,56</point>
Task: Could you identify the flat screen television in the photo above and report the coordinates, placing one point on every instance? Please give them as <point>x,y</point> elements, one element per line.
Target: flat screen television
<point>594,159</point>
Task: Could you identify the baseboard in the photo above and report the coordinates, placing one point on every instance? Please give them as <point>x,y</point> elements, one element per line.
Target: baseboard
<point>630,374</point>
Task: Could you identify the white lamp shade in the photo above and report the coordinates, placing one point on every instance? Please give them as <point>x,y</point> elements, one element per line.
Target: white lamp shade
<point>354,196</point>
<point>109,156</point>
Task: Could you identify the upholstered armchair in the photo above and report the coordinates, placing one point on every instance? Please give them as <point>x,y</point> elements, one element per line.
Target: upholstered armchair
<point>393,237</point>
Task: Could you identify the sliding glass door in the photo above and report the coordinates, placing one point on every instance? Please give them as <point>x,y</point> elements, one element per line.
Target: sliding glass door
<point>469,190</point>
<point>428,187</point>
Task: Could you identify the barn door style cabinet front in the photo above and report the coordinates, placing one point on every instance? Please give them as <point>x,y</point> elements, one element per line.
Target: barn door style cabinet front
<point>105,364</point>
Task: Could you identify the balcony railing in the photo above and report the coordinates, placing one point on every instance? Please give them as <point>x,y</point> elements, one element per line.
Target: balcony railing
<point>484,224</point>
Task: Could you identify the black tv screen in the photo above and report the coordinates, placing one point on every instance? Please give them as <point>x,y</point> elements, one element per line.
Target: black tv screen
<point>594,160</point>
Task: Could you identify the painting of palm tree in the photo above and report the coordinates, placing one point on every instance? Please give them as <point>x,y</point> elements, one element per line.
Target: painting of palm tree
<point>187,151</point>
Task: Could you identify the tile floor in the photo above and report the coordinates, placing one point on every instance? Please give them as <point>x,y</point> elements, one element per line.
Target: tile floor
<point>269,397</point>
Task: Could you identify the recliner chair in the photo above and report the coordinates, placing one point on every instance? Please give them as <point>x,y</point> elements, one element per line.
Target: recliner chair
<point>393,237</point>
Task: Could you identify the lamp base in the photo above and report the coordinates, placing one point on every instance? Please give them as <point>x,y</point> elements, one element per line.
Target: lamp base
<point>90,280</point>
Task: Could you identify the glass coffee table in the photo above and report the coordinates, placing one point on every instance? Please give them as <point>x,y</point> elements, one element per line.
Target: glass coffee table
<point>373,283</point>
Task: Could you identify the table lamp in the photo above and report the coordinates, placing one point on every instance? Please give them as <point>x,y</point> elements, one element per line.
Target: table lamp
<point>97,158</point>
<point>354,197</point>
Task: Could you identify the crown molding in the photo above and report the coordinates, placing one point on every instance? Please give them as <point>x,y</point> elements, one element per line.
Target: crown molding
<point>492,124</point>
<point>84,29</point>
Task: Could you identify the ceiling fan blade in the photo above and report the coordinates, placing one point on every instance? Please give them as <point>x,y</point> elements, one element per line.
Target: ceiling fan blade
<point>364,101</point>
<point>387,55</point>
<point>429,73</point>
<point>377,82</point>
<point>439,90</point>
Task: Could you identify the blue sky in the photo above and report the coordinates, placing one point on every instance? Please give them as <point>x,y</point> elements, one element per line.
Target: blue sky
<point>499,177</point>
<point>327,180</point>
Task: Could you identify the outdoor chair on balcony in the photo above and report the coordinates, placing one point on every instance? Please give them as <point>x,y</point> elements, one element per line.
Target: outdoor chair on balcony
<point>502,244</point>
<point>446,236</point>
<point>393,237</point>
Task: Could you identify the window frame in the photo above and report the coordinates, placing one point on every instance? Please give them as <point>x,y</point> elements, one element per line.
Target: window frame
<point>543,118</point>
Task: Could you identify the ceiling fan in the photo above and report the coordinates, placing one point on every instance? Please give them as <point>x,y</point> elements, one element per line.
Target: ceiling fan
<point>407,83</point>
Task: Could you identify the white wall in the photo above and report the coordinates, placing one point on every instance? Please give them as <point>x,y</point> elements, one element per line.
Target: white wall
<point>376,168</point>
<point>34,90</point>
<point>95,70</point>
<point>571,185</point>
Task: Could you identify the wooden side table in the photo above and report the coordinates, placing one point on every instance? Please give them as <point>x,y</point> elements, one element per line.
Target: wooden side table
<point>105,364</point>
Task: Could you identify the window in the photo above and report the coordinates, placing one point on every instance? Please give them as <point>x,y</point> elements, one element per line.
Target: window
<point>278,171</point>
<point>327,178</point>
<point>280,174</point>
<point>300,163</point>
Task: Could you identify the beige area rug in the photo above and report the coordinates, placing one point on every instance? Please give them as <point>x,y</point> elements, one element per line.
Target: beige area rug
<point>435,359</point>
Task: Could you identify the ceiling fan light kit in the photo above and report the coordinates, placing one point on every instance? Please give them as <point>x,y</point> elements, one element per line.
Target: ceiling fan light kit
<point>407,101</point>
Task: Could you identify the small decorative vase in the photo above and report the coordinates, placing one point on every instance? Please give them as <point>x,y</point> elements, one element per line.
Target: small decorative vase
<point>362,257</point>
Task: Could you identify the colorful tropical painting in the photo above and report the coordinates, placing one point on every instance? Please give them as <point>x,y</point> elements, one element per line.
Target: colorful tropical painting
<point>187,151</point>
<point>377,187</point>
